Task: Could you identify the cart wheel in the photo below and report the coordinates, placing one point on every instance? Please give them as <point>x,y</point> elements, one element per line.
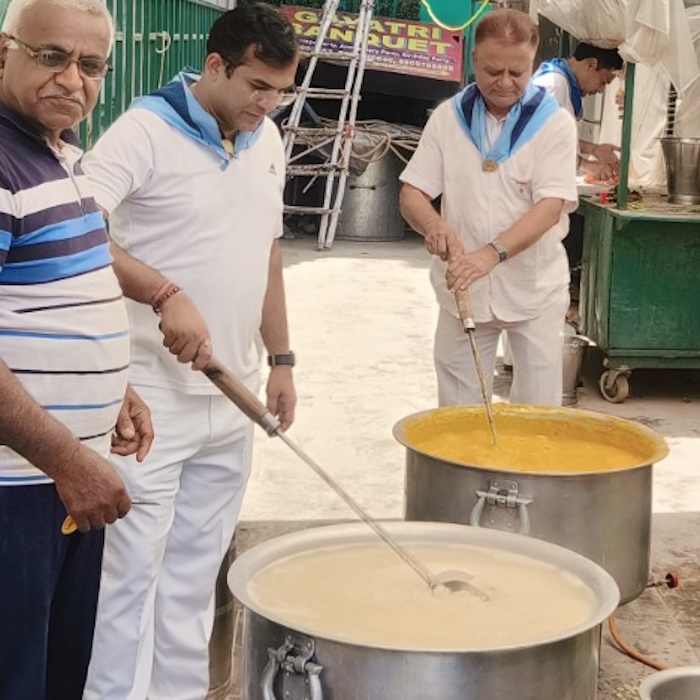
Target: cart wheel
<point>620,389</point>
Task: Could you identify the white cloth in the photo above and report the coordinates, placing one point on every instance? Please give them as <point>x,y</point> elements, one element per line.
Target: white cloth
<point>208,230</point>
<point>653,32</point>
<point>647,165</point>
<point>154,616</point>
<point>688,113</point>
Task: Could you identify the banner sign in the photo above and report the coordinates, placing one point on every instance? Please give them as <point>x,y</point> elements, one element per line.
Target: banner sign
<point>395,45</point>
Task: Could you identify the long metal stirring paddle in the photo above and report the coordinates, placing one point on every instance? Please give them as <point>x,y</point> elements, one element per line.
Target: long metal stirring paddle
<point>466,314</point>
<point>249,404</point>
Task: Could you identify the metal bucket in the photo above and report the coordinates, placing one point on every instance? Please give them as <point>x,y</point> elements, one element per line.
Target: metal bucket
<point>282,662</point>
<point>603,515</point>
<point>674,684</point>
<point>371,203</point>
<point>573,349</point>
<point>221,642</point>
<point>682,169</point>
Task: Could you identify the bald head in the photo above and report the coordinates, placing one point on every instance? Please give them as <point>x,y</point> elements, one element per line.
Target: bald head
<point>17,11</point>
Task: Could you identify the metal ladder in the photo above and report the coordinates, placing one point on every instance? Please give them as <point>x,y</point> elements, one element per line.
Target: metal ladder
<point>339,138</point>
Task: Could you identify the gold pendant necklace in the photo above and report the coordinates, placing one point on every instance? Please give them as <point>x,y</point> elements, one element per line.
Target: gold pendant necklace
<point>227,145</point>
<point>489,166</point>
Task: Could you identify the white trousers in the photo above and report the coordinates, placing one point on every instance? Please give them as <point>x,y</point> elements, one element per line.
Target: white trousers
<point>536,346</point>
<point>156,607</point>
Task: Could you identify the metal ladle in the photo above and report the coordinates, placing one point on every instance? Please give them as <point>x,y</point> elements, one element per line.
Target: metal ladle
<point>466,315</point>
<point>249,404</point>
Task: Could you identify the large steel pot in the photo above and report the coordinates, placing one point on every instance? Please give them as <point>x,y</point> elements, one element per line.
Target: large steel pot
<point>284,663</point>
<point>606,516</point>
<point>682,683</point>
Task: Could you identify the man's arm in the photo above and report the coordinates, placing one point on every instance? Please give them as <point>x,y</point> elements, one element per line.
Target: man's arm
<point>602,152</point>
<point>87,484</point>
<point>525,232</point>
<point>185,333</point>
<point>274,329</point>
<point>417,208</point>
<point>606,164</point>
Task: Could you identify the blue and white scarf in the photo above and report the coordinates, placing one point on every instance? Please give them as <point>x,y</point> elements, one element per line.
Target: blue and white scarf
<point>175,104</point>
<point>560,65</point>
<point>526,117</point>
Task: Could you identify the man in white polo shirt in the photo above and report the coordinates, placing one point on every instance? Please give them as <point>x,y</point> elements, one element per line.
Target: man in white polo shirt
<point>568,81</point>
<point>502,154</point>
<point>192,177</point>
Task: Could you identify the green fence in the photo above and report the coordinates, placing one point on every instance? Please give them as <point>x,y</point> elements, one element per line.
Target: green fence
<point>154,40</point>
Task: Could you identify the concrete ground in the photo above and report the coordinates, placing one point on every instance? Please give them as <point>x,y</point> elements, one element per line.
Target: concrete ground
<point>362,317</point>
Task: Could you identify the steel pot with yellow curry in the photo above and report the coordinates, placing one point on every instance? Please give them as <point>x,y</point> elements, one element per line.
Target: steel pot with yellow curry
<point>575,478</point>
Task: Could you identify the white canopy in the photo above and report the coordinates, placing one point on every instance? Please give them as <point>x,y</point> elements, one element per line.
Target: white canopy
<point>653,32</point>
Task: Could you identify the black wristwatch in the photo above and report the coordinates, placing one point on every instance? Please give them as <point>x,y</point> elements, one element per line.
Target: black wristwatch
<point>502,252</point>
<point>288,359</point>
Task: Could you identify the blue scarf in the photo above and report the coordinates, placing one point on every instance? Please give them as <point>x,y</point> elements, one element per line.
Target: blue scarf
<point>175,104</point>
<point>560,65</point>
<point>525,119</point>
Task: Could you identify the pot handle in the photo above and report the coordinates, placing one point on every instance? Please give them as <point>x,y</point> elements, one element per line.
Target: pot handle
<point>504,494</point>
<point>283,657</point>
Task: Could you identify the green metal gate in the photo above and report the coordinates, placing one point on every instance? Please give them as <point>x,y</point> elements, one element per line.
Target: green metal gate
<point>154,40</point>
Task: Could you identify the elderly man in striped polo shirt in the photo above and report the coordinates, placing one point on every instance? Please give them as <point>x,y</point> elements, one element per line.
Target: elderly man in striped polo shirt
<point>64,353</point>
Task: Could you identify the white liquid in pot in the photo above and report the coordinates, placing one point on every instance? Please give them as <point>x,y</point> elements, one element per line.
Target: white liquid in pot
<point>365,594</point>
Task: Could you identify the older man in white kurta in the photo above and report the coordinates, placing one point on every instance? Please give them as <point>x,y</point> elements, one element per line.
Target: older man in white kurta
<point>502,154</point>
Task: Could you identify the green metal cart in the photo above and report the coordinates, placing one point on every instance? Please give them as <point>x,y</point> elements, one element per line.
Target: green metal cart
<point>640,282</point>
<point>640,288</point>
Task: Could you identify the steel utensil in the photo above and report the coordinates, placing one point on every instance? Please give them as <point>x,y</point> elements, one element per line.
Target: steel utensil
<point>237,392</point>
<point>69,525</point>
<point>466,314</point>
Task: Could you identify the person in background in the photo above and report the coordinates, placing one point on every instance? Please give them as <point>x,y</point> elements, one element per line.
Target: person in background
<point>568,81</point>
<point>587,72</point>
<point>502,154</point>
<point>64,352</point>
<point>192,178</point>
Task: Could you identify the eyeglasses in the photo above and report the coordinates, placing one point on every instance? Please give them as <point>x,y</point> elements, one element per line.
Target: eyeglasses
<point>273,98</point>
<point>57,61</point>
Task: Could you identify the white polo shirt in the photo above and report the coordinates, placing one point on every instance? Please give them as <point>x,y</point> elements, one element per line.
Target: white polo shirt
<point>209,228</point>
<point>558,87</point>
<point>480,205</point>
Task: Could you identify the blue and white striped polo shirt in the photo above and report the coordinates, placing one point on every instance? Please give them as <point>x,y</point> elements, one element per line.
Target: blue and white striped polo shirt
<point>63,323</point>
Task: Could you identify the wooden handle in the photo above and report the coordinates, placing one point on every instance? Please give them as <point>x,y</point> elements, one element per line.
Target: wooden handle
<point>464,306</point>
<point>234,389</point>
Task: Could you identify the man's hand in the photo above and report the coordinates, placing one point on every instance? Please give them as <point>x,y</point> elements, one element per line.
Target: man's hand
<point>134,430</point>
<point>598,172</point>
<point>467,268</point>
<point>184,331</point>
<point>607,153</point>
<point>442,240</point>
<point>91,490</point>
<point>281,396</point>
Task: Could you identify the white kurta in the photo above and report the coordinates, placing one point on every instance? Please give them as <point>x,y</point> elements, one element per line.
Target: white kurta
<point>523,290</point>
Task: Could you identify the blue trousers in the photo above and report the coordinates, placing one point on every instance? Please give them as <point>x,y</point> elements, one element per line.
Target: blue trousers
<point>48,597</point>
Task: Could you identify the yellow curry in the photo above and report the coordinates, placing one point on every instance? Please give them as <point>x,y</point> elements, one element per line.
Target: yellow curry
<point>533,439</point>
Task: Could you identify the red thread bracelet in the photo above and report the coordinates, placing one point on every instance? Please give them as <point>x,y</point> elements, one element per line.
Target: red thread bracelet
<point>163,294</point>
